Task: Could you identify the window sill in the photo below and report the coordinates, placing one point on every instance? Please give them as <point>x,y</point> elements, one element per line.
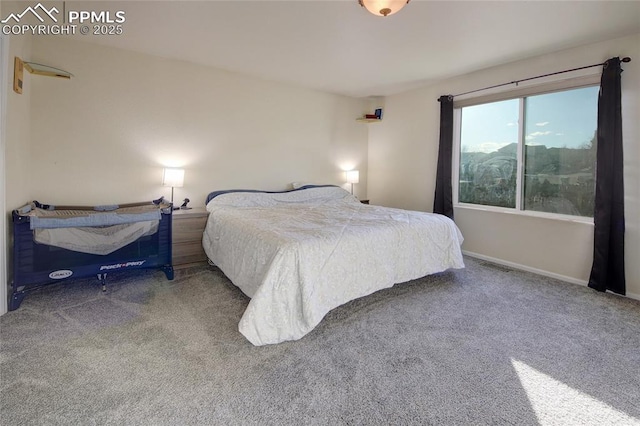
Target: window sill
<point>526,213</point>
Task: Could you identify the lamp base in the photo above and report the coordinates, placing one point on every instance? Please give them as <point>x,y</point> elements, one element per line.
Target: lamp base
<point>172,206</point>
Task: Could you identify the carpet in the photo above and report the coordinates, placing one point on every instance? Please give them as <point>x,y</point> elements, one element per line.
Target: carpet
<point>483,345</point>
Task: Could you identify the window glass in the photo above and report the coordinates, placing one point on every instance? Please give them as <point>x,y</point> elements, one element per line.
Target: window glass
<point>560,153</point>
<point>488,154</point>
<point>558,133</point>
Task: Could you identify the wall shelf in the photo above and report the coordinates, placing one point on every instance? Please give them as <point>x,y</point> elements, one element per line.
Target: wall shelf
<point>371,118</point>
<point>41,69</point>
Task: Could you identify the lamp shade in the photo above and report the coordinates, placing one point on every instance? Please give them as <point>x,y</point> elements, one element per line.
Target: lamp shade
<point>353,176</point>
<point>383,7</point>
<point>173,178</point>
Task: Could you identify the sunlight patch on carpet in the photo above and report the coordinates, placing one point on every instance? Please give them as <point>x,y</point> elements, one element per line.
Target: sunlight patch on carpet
<point>556,403</point>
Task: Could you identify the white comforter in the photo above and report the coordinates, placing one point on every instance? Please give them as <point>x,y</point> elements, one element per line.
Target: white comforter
<point>298,255</point>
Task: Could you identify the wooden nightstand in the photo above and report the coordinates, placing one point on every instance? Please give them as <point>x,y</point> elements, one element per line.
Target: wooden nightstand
<point>188,226</point>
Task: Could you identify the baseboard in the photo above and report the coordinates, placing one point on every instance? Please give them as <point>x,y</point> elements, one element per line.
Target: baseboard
<point>542,272</point>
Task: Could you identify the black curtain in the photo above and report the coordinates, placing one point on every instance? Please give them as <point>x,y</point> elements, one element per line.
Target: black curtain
<point>443,200</point>
<point>607,272</point>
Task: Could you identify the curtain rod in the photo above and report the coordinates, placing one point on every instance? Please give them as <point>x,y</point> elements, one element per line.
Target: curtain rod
<point>516,82</point>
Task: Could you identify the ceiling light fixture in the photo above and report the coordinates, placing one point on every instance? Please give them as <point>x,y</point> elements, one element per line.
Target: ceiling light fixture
<point>383,7</point>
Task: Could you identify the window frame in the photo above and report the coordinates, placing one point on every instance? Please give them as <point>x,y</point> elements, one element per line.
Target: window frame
<point>590,80</point>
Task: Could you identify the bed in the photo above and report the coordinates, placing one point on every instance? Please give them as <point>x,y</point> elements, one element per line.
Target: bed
<point>55,243</point>
<point>299,254</point>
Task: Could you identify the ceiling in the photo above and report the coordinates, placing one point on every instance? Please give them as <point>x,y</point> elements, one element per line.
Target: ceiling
<point>339,47</point>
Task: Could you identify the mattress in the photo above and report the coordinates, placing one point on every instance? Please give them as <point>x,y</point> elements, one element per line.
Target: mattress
<point>98,230</point>
<point>299,254</point>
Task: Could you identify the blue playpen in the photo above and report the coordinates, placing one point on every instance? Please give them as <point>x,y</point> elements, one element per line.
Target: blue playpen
<point>36,264</point>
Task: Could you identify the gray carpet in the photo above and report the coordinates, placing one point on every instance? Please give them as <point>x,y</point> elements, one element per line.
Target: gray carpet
<point>484,345</point>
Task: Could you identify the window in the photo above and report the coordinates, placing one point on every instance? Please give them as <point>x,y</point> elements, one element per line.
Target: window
<point>534,153</point>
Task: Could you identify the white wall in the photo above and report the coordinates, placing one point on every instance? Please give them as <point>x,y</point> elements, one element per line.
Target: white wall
<point>18,131</point>
<point>17,137</point>
<point>105,135</point>
<point>403,158</point>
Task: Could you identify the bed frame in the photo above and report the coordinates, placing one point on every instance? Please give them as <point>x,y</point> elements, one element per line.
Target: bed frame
<point>36,265</point>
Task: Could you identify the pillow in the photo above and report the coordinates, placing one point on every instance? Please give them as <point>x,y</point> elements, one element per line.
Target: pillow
<point>255,198</point>
<point>298,185</point>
